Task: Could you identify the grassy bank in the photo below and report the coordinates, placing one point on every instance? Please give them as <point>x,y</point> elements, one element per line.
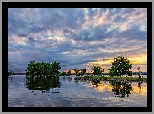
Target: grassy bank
<point>115,78</point>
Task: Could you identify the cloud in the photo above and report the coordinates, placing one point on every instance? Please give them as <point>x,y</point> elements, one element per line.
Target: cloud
<point>74,36</point>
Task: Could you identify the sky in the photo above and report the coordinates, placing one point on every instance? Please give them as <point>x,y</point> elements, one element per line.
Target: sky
<point>77,37</point>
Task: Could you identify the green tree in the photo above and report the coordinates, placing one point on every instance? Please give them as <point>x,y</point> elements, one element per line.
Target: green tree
<point>120,66</point>
<point>42,69</point>
<point>130,73</point>
<point>68,73</point>
<point>55,68</point>
<point>97,70</point>
<point>83,71</point>
<point>10,73</point>
<point>63,74</point>
<point>76,71</point>
<point>112,72</point>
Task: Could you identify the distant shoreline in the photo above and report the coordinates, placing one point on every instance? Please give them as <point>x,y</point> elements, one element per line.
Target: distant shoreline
<point>133,73</point>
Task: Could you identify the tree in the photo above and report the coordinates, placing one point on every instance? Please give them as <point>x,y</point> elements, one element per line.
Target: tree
<point>83,71</point>
<point>62,74</point>
<point>130,73</point>
<point>55,68</point>
<point>68,73</point>
<point>112,72</point>
<point>43,69</point>
<point>120,66</point>
<point>76,71</point>
<point>10,73</point>
<point>139,73</point>
<point>97,70</point>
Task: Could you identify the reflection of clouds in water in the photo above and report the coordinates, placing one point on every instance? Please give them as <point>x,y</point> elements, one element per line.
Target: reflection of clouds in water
<point>101,87</point>
<point>141,91</point>
<point>73,95</point>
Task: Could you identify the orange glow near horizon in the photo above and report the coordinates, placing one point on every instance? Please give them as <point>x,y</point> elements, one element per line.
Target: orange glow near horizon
<point>134,60</point>
<point>135,89</point>
<point>141,59</point>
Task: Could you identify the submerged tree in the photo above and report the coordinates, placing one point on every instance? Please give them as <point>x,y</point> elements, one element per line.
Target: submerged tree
<point>112,72</point>
<point>55,67</point>
<point>120,66</point>
<point>139,73</point>
<point>76,71</point>
<point>97,70</point>
<point>10,73</point>
<point>42,69</point>
<point>83,71</point>
<point>68,73</point>
<point>62,74</point>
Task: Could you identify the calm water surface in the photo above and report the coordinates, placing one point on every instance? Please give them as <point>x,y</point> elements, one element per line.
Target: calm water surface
<point>66,92</point>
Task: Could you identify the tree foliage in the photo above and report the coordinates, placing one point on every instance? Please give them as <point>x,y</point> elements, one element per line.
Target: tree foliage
<point>68,73</point>
<point>62,74</point>
<point>76,71</point>
<point>10,73</point>
<point>120,66</point>
<point>83,71</point>
<point>97,70</point>
<point>43,69</point>
<point>80,72</point>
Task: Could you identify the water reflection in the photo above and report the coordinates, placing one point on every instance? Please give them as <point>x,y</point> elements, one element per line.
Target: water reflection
<point>68,92</point>
<point>140,89</point>
<point>119,88</point>
<point>42,83</point>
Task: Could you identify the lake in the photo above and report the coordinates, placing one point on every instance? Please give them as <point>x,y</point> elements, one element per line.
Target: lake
<point>67,92</point>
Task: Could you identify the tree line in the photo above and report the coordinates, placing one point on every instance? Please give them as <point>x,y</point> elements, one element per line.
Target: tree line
<point>120,66</point>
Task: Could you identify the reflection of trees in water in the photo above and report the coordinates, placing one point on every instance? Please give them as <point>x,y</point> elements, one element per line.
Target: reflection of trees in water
<point>42,83</point>
<point>10,77</point>
<point>95,82</point>
<point>139,84</point>
<point>69,79</point>
<point>120,88</point>
<point>64,78</point>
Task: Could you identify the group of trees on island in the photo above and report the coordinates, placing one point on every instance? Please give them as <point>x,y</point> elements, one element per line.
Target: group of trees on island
<point>43,69</point>
<point>78,72</point>
<point>68,73</point>
<point>120,66</point>
<point>10,73</point>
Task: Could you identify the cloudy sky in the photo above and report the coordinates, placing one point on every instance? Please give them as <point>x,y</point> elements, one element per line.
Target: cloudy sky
<point>76,37</point>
